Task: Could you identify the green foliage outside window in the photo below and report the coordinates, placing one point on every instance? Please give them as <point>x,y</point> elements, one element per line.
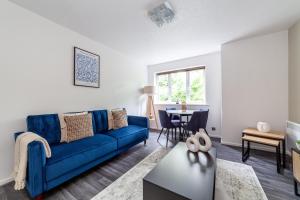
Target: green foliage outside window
<point>197,87</point>
<point>163,88</point>
<point>178,87</point>
<point>179,91</point>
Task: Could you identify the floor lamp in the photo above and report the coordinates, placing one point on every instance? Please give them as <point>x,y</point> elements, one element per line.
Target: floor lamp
<point>150,91</point>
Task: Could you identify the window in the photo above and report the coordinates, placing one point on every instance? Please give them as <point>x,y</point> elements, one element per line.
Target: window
<point>178,86</point>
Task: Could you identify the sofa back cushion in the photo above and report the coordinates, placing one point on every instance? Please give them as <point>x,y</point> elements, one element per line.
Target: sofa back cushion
<point>47,126</point>
<point>100,121</point>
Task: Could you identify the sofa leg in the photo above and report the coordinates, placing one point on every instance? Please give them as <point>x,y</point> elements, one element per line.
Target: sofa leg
<point>40,197</point>
<point>145,142</point>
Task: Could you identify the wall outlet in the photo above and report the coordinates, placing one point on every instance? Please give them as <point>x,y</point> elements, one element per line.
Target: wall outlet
<point>213,128</point>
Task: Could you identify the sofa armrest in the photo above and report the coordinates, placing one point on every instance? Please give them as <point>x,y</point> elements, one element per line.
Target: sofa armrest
<point>17,134</point>
<point>36,162</point>
<point>35,167</point>
<point>35,180</point>
<point>138,120</point>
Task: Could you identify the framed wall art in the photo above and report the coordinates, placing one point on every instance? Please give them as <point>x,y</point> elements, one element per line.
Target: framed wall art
<point>86,68</point>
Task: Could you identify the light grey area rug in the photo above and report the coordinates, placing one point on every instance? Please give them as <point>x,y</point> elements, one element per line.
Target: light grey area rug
<point>234,181</point>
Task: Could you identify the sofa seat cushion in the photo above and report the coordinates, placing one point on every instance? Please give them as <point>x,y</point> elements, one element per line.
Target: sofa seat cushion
<point>68,156</point>
<point>128,134</point>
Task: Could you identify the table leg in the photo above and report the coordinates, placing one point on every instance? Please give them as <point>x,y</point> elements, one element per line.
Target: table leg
<point>180,132</point>
<point>296,187</point>
<point>283,153</point>
<point>243,149</point>
<point>245,154</point>
<point>278,156</point>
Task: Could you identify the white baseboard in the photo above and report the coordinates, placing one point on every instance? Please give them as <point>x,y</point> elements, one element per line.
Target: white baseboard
<point>6,180</point>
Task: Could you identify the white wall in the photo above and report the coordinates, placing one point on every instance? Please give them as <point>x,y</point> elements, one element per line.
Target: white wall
<point>254,84</point>
<point>293,127</point>
<point>36,75</point>
<point>212,62</point>
<point>294,73</point>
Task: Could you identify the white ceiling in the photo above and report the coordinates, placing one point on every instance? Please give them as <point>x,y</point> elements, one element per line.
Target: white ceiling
<point>200,26</point>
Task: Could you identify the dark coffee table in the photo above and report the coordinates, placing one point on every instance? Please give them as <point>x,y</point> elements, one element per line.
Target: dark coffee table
<point>182,175</point>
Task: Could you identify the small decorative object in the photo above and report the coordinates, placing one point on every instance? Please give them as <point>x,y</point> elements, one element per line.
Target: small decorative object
<point>193,142</point>
<point>263,127</point>
<point>298,144</point>
<point>183,106</point>
<point>86,68</point>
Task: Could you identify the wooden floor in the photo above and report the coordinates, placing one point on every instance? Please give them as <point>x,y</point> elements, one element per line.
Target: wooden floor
<point>276,186</point>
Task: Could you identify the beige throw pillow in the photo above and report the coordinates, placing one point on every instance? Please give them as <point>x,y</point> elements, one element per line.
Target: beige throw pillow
<point>63,125</point>
<point>120,118</point>
<point>110,120</point>
<point>78,127</point>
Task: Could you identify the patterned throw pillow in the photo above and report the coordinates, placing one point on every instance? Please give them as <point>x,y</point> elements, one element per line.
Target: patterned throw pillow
<point>120,118</point>
<point>63,125</point>
<point>78,127</point>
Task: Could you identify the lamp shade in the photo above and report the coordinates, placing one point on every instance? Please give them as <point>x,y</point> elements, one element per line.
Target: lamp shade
<point>149,89</point>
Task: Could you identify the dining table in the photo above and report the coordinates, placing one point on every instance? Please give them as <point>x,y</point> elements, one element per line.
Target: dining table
<point>181,114</point>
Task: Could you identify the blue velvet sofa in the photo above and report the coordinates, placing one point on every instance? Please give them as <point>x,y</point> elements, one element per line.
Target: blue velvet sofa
<point>71,159</point>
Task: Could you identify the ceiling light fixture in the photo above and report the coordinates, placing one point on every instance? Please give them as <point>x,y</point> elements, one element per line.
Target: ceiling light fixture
<point>164,13</point>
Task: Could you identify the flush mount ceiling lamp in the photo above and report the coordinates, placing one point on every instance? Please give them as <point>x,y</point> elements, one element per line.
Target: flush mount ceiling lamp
<point>164,13</point>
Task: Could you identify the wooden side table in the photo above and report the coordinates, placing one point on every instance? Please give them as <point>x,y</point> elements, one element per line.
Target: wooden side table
<point>264,141</point>
<point>296,168</point>
<point>274,135</point>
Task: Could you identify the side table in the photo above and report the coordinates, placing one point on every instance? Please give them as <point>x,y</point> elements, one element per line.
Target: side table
<point>274,135</point>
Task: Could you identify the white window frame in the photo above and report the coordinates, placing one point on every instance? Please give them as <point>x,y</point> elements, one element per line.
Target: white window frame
<point>187,70</point>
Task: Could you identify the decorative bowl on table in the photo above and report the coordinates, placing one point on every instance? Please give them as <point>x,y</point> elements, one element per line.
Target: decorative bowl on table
<point>263,127</point>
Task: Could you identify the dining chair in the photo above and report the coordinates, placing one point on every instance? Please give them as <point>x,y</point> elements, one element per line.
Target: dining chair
<point>203,109</point>
<point>174,117</point>
<point>198,120</point>
<point>168,124</point>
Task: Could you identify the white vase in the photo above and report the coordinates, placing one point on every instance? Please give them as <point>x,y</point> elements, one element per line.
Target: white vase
<point>263,127</point>
<point>207,142</point>
<point>193,143</point>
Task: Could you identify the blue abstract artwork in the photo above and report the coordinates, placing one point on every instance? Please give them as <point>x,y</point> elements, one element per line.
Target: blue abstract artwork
<point>86,68</point>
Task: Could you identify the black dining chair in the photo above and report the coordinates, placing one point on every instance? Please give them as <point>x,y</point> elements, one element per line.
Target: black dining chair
<point>203,109</point>
<point>198,120</point>
<point>174,117</point>
<point>168,124</point>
